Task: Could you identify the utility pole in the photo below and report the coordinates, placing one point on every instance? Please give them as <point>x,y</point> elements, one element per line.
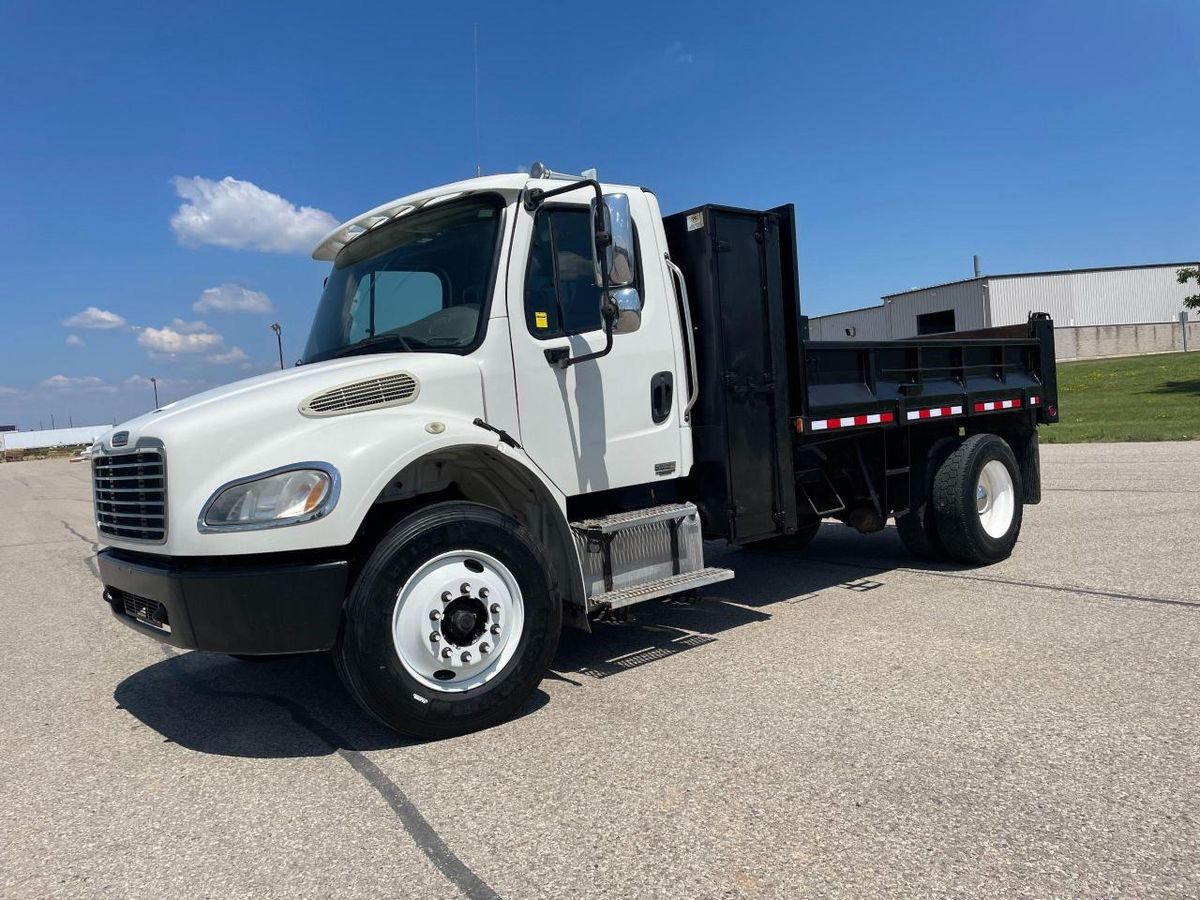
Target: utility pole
<point>51,421</point>
<point>279,339</point>
<point>154,384</point>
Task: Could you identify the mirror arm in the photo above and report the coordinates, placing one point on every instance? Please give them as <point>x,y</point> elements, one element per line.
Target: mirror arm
<point>560,357</point>
<point>535,197</point>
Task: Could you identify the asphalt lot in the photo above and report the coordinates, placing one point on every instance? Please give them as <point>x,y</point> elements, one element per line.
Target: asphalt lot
<point>844,723</point>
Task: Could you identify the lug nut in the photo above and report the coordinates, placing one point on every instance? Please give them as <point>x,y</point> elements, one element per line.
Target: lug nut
<point>466,656</point>
<point>485,647</point>
<point>483,593</point>
<point>464,588</point>
<point>435,614</point>
<point>446,653</point>
<point>495,607</point>
<point>434,636</point>
<point>446,598</point>
<point>495,629</point>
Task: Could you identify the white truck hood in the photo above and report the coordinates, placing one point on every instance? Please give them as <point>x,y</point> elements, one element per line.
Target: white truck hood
<point>255,425</point>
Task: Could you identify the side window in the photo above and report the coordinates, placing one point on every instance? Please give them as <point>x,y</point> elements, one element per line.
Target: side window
<point>561,296</point>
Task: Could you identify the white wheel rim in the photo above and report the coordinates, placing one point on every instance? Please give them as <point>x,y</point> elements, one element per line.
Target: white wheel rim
<point>995,498</point>
<point>463,601</point>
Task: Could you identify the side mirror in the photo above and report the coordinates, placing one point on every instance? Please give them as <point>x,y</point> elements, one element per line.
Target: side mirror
<point>618,258</point>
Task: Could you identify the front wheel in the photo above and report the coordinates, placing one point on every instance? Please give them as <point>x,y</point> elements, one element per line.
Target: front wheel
<point>977,496</point>
<point>451,624</point>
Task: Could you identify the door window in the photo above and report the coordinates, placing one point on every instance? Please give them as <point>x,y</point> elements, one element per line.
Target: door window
<point>561,296</point>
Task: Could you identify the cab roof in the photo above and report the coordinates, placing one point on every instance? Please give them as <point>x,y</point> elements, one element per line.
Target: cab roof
<point>509,185</point>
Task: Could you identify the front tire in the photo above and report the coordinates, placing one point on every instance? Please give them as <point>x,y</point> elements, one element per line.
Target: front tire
<point>977,499</point>
<point>451,624</point>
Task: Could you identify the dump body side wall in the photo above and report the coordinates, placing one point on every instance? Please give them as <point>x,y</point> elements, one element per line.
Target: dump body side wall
<point>777,410</point>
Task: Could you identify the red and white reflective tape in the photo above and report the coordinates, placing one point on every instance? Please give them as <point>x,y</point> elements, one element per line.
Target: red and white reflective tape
<point>851,421</point>
<point>997,405</point>
<point>1035,400</point>
<point>933,412</point>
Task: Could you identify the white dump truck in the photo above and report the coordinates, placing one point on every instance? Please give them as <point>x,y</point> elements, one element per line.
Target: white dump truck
<point>527,400</point>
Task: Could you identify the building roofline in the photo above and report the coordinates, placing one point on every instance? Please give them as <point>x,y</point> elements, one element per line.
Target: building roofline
<point>843,312</point>
<point>1163,265</point>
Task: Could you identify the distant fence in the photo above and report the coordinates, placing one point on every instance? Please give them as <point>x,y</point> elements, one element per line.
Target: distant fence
<point>1096,341</point>
<point>17,442</point>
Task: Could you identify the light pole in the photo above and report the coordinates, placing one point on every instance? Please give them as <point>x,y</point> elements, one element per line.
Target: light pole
<point>279,338</point>
<point>154,384</point>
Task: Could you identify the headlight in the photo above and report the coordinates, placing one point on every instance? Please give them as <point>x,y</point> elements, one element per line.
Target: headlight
<point>272,499</point>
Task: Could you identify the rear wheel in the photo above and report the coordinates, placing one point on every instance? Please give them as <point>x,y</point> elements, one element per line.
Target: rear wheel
<point>977,500</point>
<point>918,527</point>
<point>451,624</point>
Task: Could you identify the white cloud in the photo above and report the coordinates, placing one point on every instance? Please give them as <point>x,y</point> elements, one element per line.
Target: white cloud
<point>94,317</point>
<point>233,298</point>
<point>196,327</point>
<point>239,214</point>
<point>83,382</point>
<point>675,53</point>
<point>233,355</point>
<point>8,391</point>
<point>180,337</point>
<point>74,340</point>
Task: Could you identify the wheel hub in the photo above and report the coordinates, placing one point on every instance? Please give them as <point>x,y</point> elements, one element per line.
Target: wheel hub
<point>464,621</point>
<point>458,620</point>
<point>995,498</point>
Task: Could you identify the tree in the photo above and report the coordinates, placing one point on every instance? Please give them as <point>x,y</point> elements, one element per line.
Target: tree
<point>1184,276</point>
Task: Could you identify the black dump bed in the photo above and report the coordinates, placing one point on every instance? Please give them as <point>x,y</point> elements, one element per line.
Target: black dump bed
<point>770,401</point>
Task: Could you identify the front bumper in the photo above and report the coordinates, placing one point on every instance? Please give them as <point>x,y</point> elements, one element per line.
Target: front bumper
<point>262,605</point>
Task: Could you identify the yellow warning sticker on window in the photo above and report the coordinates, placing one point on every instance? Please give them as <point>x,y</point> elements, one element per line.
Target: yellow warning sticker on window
<point>541,320</point>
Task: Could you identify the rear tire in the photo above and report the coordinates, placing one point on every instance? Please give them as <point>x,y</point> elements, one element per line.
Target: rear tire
<point>918,527</point>
<point>918,532</point>
<point>977,499</point>
<point>501,623</point>
<point>790,543</point>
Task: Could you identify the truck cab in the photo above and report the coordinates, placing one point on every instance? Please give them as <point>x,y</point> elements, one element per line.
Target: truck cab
<point>516,410</point>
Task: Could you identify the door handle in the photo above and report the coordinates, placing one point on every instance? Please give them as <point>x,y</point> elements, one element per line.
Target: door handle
<point>662,394</point>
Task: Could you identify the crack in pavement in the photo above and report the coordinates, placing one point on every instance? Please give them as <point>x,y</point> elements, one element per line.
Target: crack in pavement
<point>428,841</point>
<point>1069,589</point>
<point>89,561</point>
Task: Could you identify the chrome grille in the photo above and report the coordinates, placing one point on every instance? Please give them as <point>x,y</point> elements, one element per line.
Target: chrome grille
<point>373,393</point>
<point>130,495</point>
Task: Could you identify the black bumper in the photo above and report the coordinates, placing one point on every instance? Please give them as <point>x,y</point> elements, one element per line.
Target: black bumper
<point>260,606</point>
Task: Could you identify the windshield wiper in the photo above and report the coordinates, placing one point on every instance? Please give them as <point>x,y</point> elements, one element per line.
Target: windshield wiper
<point>368,342</point>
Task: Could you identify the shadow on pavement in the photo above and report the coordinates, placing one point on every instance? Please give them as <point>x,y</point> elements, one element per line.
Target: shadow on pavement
<point>295,706</point>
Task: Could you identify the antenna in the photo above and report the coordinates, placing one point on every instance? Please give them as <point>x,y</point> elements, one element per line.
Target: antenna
<point>478,168</point>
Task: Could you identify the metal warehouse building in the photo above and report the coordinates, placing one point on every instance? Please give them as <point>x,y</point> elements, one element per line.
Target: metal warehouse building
<point>1097,312</point>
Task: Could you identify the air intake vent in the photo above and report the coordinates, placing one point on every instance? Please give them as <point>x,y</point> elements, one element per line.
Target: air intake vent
<point>374,393</point>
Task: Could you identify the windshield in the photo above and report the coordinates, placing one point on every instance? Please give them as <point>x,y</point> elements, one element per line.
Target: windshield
<point>420,283</point>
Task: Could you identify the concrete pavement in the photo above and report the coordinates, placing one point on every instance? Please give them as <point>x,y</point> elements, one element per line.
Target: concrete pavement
<point>843,723</point>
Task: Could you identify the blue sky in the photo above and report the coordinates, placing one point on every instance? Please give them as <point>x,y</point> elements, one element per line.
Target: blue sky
<point>910,136</point>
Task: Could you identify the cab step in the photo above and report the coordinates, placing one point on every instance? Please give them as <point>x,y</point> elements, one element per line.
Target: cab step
<point>662,587</point>
<point>641,554</point>
<point>634,518</point>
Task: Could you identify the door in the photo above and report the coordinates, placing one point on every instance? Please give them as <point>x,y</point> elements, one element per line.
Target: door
<point>599,424</point>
